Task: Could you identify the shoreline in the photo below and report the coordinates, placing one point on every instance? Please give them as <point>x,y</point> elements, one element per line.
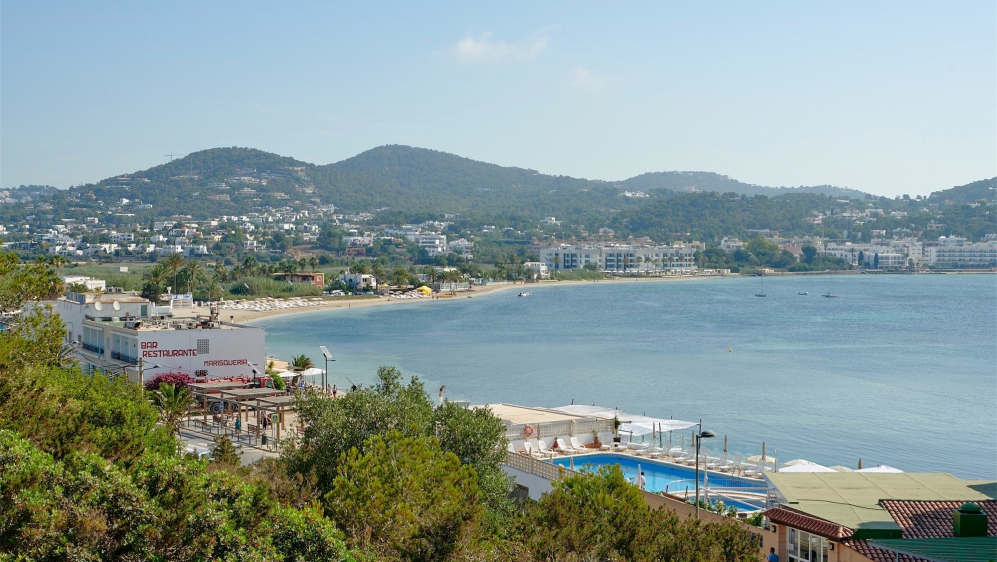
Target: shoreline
<point>252,316</point>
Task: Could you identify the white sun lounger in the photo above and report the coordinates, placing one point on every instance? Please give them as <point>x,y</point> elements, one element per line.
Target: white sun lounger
<point>578,446</point>
<point>564,447</point>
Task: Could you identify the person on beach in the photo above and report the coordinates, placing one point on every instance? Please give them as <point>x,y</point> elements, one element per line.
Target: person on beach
<point>334,391</point>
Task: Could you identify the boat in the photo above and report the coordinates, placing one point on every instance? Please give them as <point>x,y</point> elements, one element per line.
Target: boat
<point>829,294</point>
<point>762,293</point>
<point>804,293</point>
<point>526,294</point>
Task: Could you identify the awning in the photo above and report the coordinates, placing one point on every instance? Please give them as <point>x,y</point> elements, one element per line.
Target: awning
<point>634,424</point>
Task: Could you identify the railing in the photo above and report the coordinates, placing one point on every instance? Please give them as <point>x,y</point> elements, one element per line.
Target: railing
<point>122,357</point>
<point>250,435</point>
<point>535,466</point>
<point>94,348</point>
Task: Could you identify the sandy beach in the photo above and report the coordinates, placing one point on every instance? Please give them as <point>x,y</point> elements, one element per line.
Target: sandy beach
<point>332,303</point>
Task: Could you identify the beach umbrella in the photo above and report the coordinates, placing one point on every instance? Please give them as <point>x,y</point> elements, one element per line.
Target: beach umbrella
<point>725,442</point>
<point>706,486</point>
<point>571,463</point>
<point>860,463</point>
<point>763,449</point>
<point>795,462</point>
<point>839,468</point>
<point>637,478</point>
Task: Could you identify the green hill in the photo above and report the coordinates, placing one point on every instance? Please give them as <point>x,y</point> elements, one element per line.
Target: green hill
<point>709,181</point>
<point>969,193</point>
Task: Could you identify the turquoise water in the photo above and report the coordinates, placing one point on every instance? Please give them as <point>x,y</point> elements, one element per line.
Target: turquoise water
<point>898,370</point>
<point>660,476</point>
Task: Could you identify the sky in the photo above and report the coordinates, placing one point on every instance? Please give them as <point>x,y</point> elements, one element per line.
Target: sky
<point>885,97</point>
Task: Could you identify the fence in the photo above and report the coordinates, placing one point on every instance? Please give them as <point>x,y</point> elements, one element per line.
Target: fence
<point>250,436</point>
<point>538,467</point>
<point>560,428</point>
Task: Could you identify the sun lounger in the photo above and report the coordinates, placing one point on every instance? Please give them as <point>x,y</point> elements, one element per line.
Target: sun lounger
<point>564,447</point>
<point>578,446</point>
<point>541,447</point>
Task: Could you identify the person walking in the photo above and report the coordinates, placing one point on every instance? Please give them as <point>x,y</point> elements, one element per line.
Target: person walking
<point>238,426</point>
<point>334,391</point>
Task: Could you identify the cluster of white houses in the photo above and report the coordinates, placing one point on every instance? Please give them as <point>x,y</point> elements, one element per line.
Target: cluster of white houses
<point>126,334</point>
<point>947,253</point>
<point>637,258</point>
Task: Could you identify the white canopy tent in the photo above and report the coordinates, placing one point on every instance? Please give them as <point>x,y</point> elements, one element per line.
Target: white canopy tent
<point>881,468</point>
<point>632,424</point>
<point>800,465</point>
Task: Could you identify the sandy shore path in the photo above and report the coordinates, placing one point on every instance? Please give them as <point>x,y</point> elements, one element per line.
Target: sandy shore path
<point>332,303</point>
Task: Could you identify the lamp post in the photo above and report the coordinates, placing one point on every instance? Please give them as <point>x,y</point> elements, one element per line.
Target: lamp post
<point>700,436</point>
<point>325,374</point>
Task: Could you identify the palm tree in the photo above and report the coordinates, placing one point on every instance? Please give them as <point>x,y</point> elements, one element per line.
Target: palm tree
<point>173,262</point>
<point>172,403</point>
<point>221,273</point>
<point>302,264</point>
<point>301,362</point>
<point>249,265</point>
<point>313,263</point>
<point>57,262</point>
<point>193,272</point>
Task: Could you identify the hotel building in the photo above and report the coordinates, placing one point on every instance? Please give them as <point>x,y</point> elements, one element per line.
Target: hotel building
<point>622,257</point>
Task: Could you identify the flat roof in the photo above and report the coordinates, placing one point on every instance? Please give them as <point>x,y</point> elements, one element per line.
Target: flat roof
<point>217,385</point>
<point>247,392</point>
<point>530,414</point>
<point>853,499</point>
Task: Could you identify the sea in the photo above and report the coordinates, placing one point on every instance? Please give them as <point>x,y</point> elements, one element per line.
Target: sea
<point>899,370</point>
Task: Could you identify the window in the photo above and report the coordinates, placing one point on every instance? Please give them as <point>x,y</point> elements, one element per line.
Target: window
<point>203,347</point>
<point>802,546</point>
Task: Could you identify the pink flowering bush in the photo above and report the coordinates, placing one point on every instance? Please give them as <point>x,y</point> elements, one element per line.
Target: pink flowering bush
<point>178,380</point>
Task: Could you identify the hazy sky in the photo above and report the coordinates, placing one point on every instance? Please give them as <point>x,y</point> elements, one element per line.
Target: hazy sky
<point>887,97</point>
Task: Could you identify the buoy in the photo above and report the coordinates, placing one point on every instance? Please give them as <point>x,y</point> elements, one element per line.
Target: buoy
<point>730,350</point>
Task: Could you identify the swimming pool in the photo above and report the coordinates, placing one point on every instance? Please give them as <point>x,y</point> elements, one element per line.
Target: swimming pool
<point>663,477</point>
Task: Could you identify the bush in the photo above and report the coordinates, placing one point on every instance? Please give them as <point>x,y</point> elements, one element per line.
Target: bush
<point>178,380</point>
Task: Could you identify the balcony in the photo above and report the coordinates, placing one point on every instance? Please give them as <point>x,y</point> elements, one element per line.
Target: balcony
<point>125,358</point>
<point>94,348</point>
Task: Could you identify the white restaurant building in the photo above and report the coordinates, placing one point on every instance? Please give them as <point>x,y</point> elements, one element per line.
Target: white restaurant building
<point>125,333</point>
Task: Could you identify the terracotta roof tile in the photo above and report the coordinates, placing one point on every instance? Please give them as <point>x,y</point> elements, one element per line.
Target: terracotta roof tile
<point>933,519</point>
<point>878,554</point>
<point>809,523</point>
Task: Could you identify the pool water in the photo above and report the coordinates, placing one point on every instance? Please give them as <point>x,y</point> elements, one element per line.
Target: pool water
<point>663,477</point>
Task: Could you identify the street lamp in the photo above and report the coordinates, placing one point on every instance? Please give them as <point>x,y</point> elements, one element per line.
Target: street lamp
<point>325,374</point>
<point>700,436</point>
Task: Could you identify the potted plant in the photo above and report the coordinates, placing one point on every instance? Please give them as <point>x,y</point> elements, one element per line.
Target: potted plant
<point>595,439</point>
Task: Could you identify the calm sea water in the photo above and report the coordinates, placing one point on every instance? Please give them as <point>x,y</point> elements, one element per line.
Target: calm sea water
<point>898,370</point>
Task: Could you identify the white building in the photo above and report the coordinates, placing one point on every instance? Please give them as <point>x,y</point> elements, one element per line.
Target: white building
<point>123,333</point>
<point>90,283</point>
<point>731,244</point>
<point>359,280</point>
<point>434,244</point>
<point>954,252</point>
<point>621,257</point>
<point>538,268</point>
<point>122,237</point>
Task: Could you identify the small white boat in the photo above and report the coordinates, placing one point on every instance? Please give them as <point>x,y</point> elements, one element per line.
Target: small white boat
<point>526,294</point>
<point>804,293</point>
